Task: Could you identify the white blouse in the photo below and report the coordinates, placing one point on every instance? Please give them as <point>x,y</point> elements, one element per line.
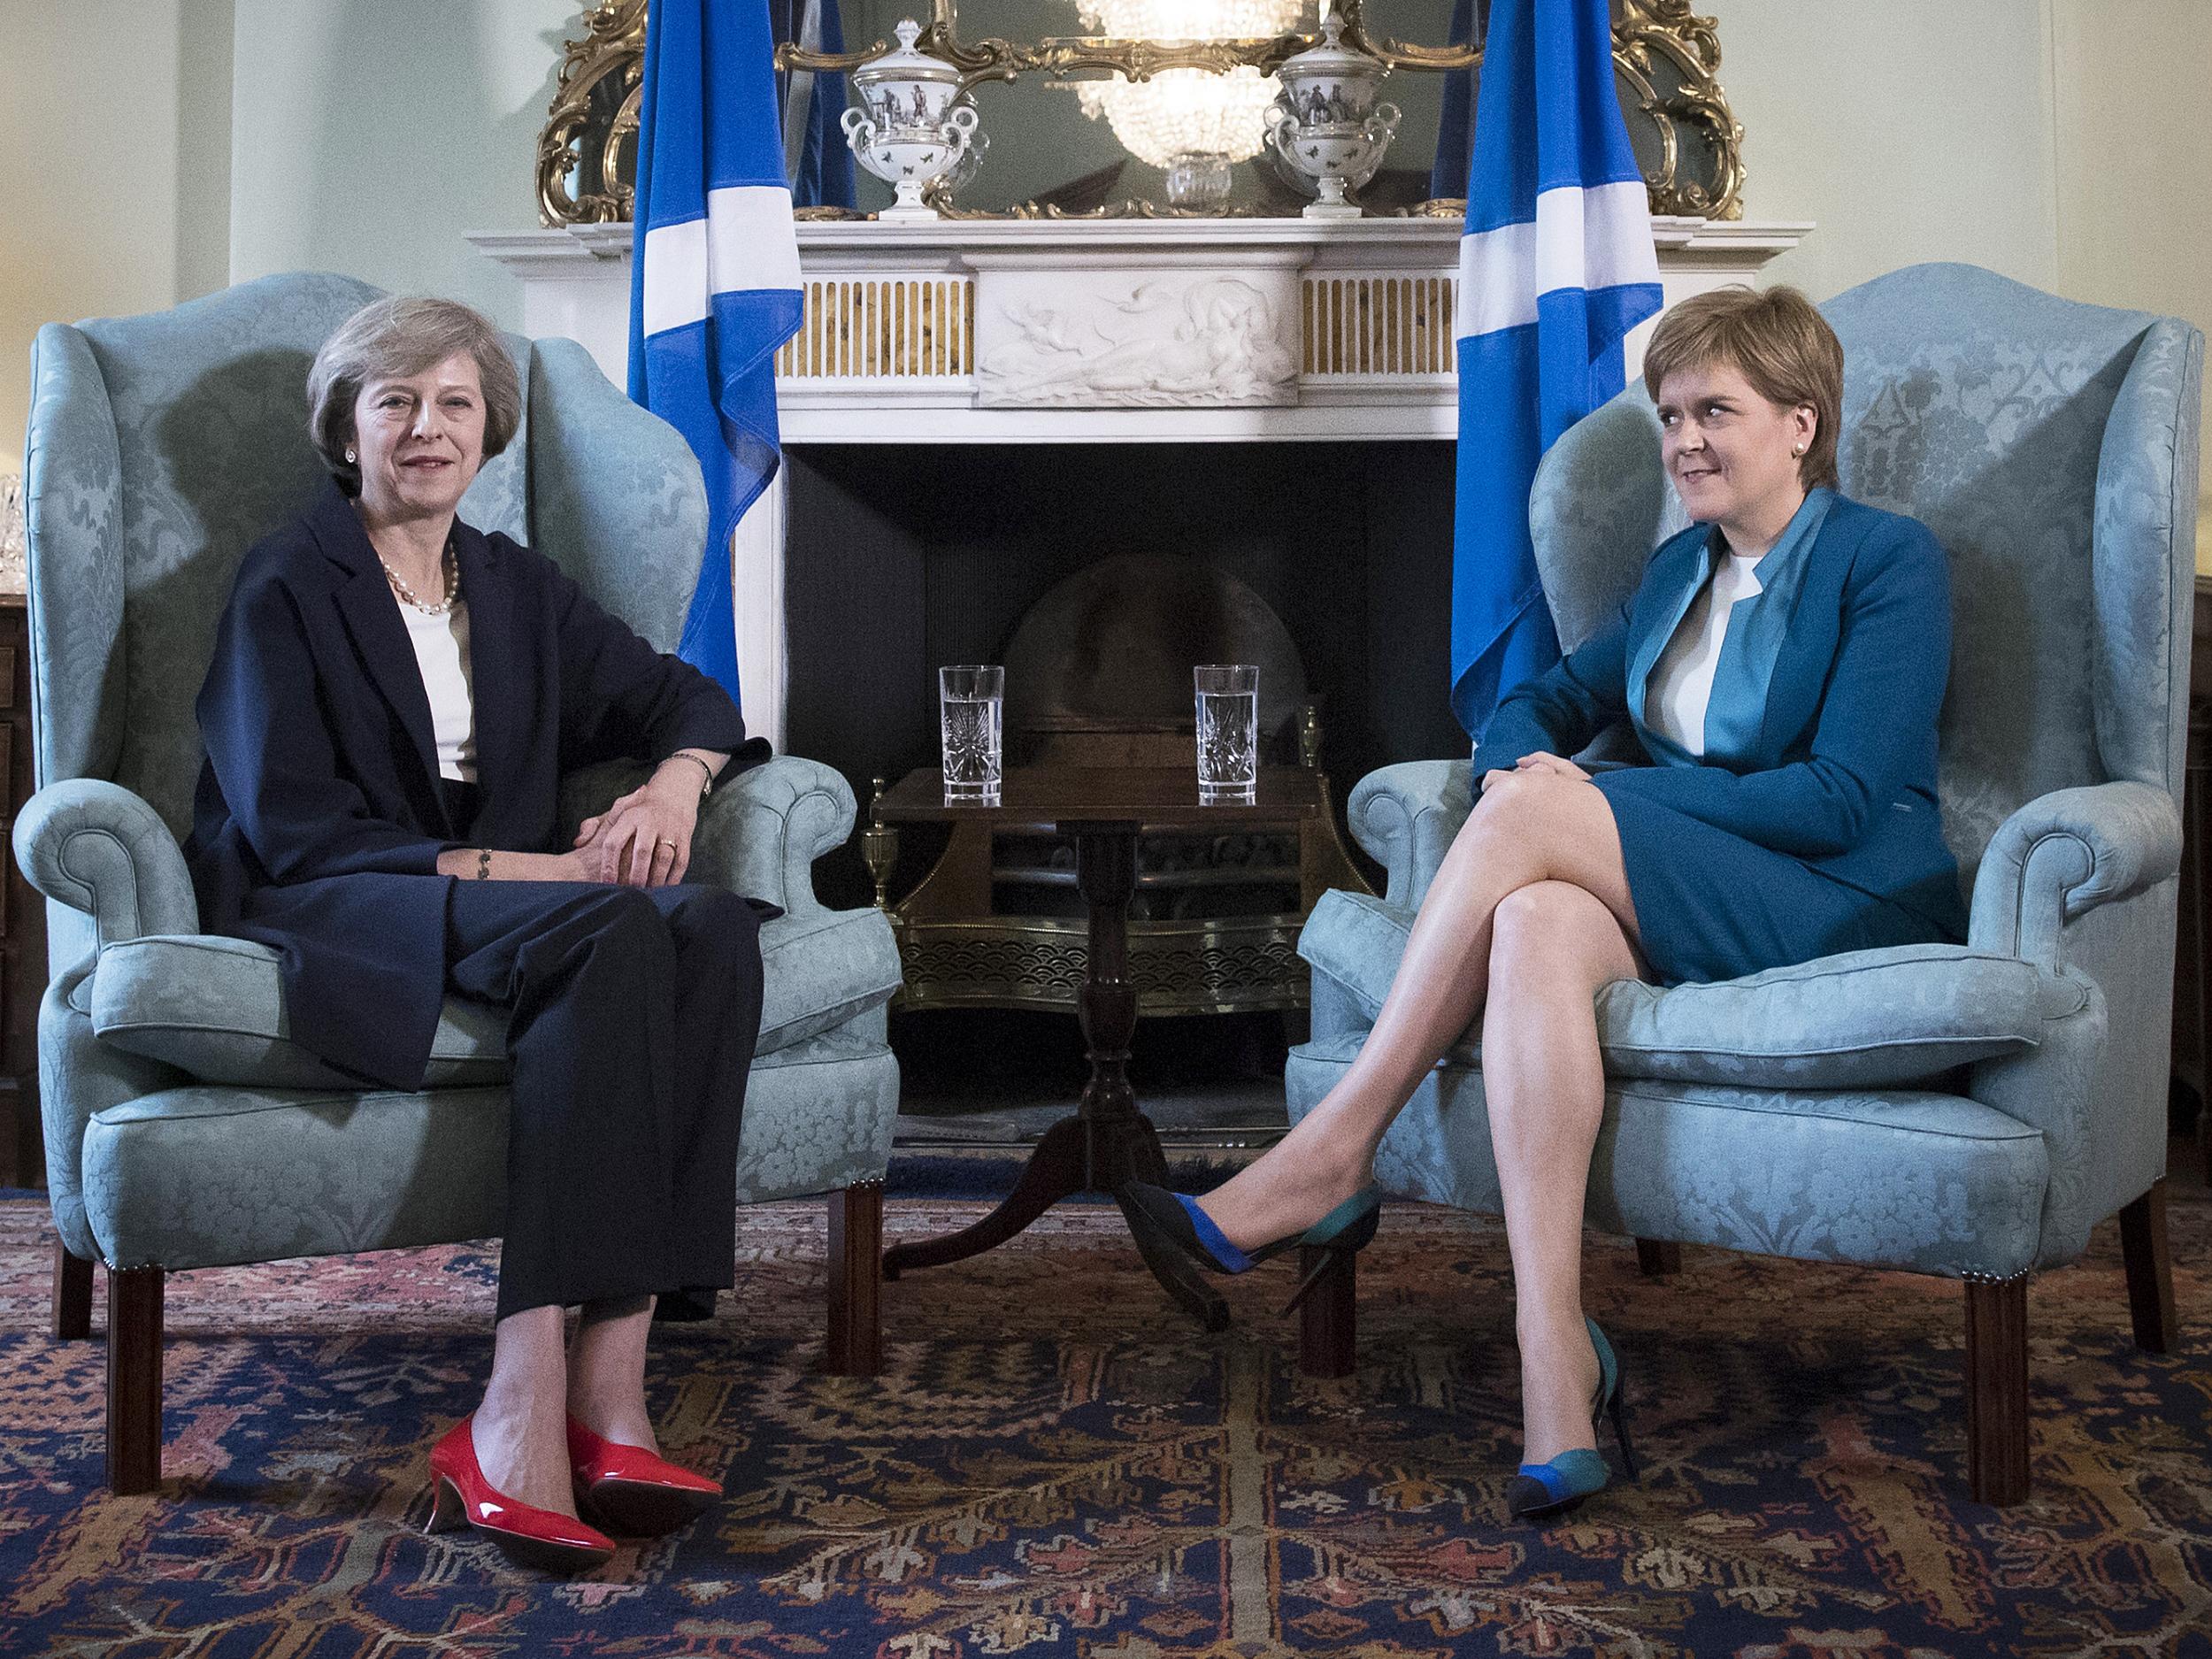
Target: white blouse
<point>442,650</point>
<point>1682,681</point>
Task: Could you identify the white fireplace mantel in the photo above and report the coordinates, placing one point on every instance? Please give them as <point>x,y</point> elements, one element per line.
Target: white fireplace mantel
<point>1087,331</point>
<point>1107,330</point>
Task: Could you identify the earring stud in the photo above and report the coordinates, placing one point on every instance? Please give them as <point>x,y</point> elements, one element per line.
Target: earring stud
<point>1799,451</point>
<point>349,457</point>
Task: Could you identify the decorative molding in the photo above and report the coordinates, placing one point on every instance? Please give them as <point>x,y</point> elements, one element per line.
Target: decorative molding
<point>1176,338</point>
<point>1230,964</point>
<point>866,327</point>
<point>939,333</point>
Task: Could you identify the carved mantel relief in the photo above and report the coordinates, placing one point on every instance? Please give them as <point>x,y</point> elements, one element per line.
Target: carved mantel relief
<point>1194,340</point>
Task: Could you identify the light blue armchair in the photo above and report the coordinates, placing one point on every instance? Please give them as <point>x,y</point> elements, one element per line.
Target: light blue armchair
<point>183,1127</point>
<point>1970,1112</point>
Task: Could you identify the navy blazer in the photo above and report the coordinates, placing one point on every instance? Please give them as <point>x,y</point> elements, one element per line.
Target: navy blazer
<point>319,818</point>
<point>1825,698</point>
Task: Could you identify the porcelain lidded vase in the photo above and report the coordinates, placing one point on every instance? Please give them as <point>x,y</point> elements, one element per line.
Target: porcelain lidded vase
<point>913,128</point>
<point>1326,125</point>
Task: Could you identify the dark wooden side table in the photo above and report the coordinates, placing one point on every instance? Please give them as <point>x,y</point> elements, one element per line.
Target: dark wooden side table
<point>1107,1142</point>
<point>22,917</point>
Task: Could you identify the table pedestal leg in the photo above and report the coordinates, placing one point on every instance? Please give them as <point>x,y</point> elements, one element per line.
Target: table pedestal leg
<point>1108,1142</point>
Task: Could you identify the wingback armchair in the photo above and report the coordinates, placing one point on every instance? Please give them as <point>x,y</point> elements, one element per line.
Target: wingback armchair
<point>183,1127</point>
<point>1973,1111</point>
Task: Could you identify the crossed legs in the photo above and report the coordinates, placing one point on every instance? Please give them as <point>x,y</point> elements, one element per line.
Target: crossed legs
<point>1529,915</point>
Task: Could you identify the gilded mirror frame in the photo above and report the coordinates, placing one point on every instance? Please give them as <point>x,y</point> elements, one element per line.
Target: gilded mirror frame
<point>1664,51</point>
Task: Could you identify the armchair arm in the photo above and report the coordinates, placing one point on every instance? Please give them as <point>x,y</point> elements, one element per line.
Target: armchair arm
<point>97,848</point>
<point>759,832</point>
<point>763,829</point>
<point>1406,815</point>
<point>2063,854</point>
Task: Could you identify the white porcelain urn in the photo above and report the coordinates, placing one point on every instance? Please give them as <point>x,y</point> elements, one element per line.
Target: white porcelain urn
<point>1326,125</point>
<point>913,128</point>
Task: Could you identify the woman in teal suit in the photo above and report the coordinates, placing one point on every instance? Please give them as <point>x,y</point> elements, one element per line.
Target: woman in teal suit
<point>1783,662</point>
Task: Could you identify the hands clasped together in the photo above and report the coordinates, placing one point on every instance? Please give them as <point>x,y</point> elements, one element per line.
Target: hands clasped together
<point>1538,764</point>
<point>644,839</point>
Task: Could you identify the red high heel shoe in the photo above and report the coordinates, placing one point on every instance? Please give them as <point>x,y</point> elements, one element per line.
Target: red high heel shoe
<point>631,1491</point>
<point>537,1537</point>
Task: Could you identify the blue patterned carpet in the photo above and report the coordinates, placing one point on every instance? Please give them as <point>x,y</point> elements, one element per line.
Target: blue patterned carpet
<point>1054,1464</point>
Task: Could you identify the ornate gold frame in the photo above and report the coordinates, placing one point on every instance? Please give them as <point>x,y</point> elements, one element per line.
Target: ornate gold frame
<point>602,73</point>
<point>606,66</point>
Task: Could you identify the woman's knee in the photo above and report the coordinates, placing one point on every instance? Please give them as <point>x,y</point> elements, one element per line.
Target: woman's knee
<point>710,919</point>
<point>628,928</point>
<point>1549,930</point>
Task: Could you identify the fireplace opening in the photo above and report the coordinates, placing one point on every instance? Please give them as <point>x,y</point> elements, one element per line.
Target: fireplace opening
<point>1328,563</point>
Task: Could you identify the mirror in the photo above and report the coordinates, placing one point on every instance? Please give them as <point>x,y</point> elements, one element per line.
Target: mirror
<point>1034,66</point>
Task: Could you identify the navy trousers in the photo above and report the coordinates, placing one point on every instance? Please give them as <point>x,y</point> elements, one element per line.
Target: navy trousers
<point>634,1014</point>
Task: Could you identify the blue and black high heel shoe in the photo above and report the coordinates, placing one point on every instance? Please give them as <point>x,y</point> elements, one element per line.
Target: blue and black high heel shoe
<point>1343,1232</point>
<point>1545,1489</point>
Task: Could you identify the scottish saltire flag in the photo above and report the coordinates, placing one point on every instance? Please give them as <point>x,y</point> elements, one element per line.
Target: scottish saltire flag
<point>1556,267</point>
<point>1455,122</point>
<point>816,158</point>
<point>714,284</point>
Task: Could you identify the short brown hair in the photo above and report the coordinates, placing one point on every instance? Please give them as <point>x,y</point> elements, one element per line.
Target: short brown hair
<point>1773,338</point>
<point>400,337</point>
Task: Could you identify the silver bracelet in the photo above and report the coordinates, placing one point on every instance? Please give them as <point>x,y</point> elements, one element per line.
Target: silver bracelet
<point>706,783</point>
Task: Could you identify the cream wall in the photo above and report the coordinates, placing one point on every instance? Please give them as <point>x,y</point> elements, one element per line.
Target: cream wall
<point>2062,143</point>
<point>89,101</point>
<point>2132,159</point>
<point>368,136</point>
<point>177,144</point>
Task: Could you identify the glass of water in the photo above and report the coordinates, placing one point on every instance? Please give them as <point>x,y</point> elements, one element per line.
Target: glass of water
<point>1228,730</point>
<point>970,698</point>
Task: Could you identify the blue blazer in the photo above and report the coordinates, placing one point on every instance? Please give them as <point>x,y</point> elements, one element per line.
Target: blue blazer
<point>1821,733</point>
<point>318,817</point>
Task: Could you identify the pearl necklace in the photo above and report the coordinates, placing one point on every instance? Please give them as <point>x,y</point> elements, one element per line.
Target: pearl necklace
<point>448,563</point>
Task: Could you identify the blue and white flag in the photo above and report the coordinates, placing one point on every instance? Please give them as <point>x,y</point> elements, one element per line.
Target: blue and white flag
<point>1556,267</point>
<point>816,158</point>
<point>714,283</point>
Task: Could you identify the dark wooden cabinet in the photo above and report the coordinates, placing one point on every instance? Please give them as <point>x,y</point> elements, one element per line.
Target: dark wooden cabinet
<point>22,918</point>
<point>2192,948</point>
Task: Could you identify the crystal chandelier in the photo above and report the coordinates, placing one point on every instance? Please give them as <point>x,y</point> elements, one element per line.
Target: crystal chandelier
<point>1191,122</point>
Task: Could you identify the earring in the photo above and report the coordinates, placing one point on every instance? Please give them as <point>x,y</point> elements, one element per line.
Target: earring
<point>349,457</point>
<point>1799,453</point>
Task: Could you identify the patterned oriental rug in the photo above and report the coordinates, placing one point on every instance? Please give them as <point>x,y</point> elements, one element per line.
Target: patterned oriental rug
<point>1053,1463</point>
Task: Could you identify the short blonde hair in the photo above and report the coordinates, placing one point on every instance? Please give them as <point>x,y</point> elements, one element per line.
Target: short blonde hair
<point>1773,338</point>
<point>401,336</point>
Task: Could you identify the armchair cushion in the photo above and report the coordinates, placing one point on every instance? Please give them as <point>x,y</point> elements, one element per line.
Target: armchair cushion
<point>213,1007</point>
<point>1861,1019</point>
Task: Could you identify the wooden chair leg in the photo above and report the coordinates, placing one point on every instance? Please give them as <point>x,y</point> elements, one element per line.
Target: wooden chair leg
<point>1657,1257</point>
<point>855,1347</point>
<point>72,1296</point>
<point>1997,1389</point>
<point>1328,1319</point>
<point>135,1378</point>
<point>2150,1270</point>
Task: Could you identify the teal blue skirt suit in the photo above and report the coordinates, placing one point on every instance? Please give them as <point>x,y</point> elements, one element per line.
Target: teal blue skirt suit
<point>1809,825</point>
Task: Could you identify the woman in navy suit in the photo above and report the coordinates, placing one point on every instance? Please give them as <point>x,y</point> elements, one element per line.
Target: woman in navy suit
<point>1783,662</point>
<point>393,701</point>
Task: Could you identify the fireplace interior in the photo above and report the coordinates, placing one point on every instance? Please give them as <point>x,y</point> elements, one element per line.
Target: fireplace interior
<point>902,559</point>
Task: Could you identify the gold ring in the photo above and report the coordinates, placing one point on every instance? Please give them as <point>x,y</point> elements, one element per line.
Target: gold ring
<point>663,842</point>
